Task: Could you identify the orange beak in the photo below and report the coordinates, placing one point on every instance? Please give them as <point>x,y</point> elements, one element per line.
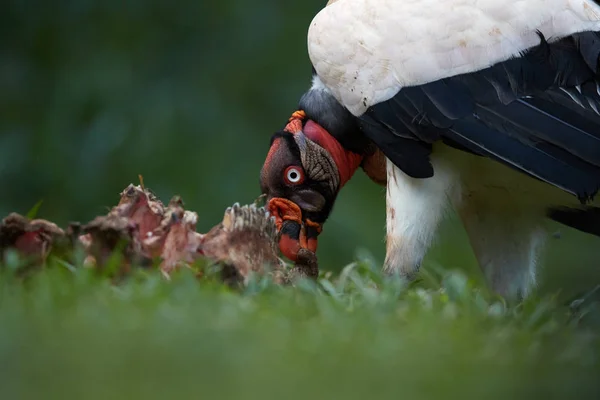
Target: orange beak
<point>294,233</point>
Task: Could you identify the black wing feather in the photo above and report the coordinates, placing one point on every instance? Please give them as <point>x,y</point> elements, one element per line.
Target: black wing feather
<point>588,45</point>
<point>537,112</point>
<point>535,160</point>
<point>406,153</point>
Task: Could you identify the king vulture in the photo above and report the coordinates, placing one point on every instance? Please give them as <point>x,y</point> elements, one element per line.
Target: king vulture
<point>490,107</point>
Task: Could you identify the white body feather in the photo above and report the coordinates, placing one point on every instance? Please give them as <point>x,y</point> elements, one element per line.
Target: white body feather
<point>365,56</point>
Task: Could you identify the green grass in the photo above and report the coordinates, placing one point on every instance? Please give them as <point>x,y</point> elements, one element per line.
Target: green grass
<point>68,333</point>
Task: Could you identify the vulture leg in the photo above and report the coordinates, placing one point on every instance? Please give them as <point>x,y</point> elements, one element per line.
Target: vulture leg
<point>506,237</point>
<point>414,209</point>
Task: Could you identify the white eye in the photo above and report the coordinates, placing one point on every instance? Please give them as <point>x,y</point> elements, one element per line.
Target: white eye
<point>294,175</point>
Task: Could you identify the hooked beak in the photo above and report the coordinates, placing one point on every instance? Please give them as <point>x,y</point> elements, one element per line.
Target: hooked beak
<point>295,232</point>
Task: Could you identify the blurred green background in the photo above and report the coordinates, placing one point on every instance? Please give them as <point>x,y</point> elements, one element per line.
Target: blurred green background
<point>93,93</point>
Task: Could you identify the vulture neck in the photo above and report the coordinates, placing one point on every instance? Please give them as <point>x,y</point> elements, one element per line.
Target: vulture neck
<point>320,106</point>
<point>333,127</point>
<point>347,162</point>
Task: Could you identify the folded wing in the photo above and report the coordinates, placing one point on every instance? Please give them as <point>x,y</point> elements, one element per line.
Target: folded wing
<point>530,100</point>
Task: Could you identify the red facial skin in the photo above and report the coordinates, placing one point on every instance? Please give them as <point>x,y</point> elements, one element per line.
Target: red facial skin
<point>286,211</point>
<point>289,247</point>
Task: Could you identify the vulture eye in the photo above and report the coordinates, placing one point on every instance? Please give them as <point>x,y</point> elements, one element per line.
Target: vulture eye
<point>294,175</point>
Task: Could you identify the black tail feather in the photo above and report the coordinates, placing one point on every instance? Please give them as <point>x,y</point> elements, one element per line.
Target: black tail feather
<point>586,219</point>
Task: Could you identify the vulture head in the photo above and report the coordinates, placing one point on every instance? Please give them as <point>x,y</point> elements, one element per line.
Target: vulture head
<point>308,162</point>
